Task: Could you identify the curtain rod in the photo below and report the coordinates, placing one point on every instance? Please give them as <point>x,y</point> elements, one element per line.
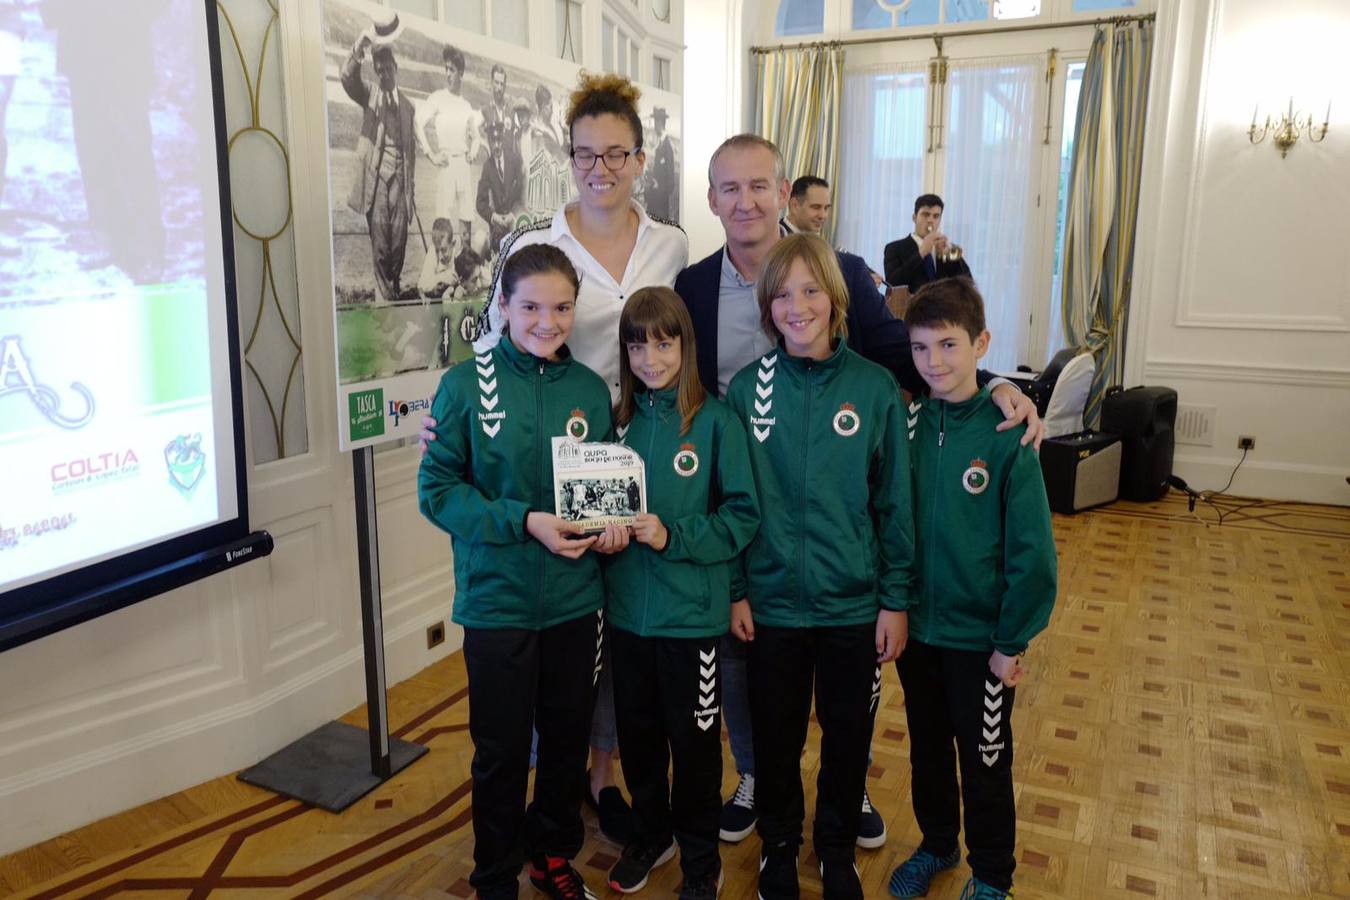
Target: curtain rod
<point>946,35</point>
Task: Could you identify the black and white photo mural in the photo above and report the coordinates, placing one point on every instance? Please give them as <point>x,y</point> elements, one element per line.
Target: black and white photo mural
<point>441,142</point>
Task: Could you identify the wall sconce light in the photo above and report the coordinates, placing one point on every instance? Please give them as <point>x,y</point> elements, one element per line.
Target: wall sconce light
<point>1284,131</point>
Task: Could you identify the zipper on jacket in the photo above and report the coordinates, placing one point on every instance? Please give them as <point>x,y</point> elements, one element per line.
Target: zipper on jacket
<point>545,452</point>
<point>647,557</point>
<point>801,507</point>
<point>933,514</point>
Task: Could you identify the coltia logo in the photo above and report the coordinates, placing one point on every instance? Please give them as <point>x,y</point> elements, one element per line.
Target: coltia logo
<point>398,409</point>
<point>89,469</point>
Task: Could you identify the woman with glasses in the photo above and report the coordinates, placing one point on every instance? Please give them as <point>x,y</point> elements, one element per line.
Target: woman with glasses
<point>614,244</point>
<point>616,248</point>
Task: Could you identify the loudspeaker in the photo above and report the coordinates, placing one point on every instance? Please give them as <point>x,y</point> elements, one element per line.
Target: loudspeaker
<point>1080,470</point>
<point>1144,417</point>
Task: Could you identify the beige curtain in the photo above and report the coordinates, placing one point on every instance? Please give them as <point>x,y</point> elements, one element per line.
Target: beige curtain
<point>797,101</point>
<point>1099,223</point>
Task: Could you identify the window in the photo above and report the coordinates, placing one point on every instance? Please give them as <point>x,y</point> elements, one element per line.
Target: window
<point>661,73</point>
<point>898,116</point>
<point>568,18</point>
<point>992,152</point>
<point>1098,5</point>
<point>799,17</point>
<point>1073,84</point>
<point>424,8</point>
<point>511,21</point>
<point>895,13</point>
<point>1016,9</point>
<point>621,52</point>
<point>966,11</point>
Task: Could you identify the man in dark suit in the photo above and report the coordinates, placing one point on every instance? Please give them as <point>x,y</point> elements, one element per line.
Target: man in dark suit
<point>915,259</point>
<point>660,189</point>
<point>809,205</point>
<point>500,185</point>
<point>386,152</point>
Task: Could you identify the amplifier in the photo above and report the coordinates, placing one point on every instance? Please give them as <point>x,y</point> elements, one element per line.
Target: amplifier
<point>1144,417</point>
<point>1081,470</point>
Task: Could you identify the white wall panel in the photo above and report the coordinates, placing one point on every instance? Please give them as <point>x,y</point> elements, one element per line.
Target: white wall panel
<point>1242,279</point>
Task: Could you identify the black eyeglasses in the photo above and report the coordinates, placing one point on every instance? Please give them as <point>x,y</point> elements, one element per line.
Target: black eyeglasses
<point>614,159</point>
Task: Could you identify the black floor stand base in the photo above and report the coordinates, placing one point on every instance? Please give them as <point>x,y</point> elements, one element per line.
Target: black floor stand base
<point>329,767</point>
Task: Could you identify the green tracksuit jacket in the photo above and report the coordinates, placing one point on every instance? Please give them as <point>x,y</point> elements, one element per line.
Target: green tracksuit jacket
<point>831,464</point>
<point>491,463</point>
<point>987,566</point>
<point>700,485</point>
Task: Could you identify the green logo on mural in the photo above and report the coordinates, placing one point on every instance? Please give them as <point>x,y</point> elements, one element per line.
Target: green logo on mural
<point>366,414</point>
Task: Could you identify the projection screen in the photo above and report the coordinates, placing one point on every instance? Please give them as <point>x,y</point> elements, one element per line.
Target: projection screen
<point>121,435</point>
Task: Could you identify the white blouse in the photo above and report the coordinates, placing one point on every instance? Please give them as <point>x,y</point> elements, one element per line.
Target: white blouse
<point>659,254</point>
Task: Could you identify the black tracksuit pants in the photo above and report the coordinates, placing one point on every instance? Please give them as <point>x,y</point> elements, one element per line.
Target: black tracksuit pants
<point>785,664</point>
<point>519,679</point>
<point>958,709</point>
<point>667,700</point>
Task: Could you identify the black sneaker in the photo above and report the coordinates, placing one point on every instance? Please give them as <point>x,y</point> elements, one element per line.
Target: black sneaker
<point>738,814</point>
<point>702,888</point>
<point>629,874</point>
<point>840,881</point>
<point>555,876</point>
<point>613,812</point>
<point>778,873</point>
<point>871,827</point>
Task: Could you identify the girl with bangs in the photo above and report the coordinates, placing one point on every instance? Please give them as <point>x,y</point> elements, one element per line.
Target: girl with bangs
<point>829,575</point>
<point>617,248</point>
<point>667,593</point>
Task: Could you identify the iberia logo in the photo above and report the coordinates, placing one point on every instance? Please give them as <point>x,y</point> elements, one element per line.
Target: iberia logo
<point>577,429</point>
<point>846,421</point>
<point>686,461</point>
<point>976,478</point>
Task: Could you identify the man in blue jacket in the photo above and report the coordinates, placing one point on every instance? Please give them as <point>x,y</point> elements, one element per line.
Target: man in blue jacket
<point>748,191</point>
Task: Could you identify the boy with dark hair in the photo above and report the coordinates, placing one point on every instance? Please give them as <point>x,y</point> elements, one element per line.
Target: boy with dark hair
<point>981,599</point>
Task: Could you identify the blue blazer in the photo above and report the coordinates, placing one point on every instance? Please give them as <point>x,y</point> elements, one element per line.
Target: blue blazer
<point>872,331</point>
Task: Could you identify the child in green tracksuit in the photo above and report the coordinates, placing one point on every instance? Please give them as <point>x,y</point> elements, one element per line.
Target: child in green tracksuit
<point>668,593</point>
<point>987,571</point>
<point>829,573</point>
<point>527,592</point>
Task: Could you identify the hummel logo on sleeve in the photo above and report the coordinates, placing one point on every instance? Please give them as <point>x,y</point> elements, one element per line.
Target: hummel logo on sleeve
<point>760,421</point>
<point>491,417</point>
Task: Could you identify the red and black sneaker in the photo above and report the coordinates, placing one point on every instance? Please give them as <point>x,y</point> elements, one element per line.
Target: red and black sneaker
<point>555,876</point>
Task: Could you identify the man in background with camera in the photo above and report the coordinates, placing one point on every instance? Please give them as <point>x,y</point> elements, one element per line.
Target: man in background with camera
<point>926,255</point>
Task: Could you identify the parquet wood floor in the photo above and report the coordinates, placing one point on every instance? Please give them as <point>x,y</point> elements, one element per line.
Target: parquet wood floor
<point>1185,733</point>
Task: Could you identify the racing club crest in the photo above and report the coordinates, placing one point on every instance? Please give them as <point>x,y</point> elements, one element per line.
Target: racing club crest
<point>846,421</point>
<point>976,478</point>
<point>686,461</point>
<point>186,462</point>
<point>577,427</point>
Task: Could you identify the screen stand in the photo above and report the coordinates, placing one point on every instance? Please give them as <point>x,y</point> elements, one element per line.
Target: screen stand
<point>337,764</point>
